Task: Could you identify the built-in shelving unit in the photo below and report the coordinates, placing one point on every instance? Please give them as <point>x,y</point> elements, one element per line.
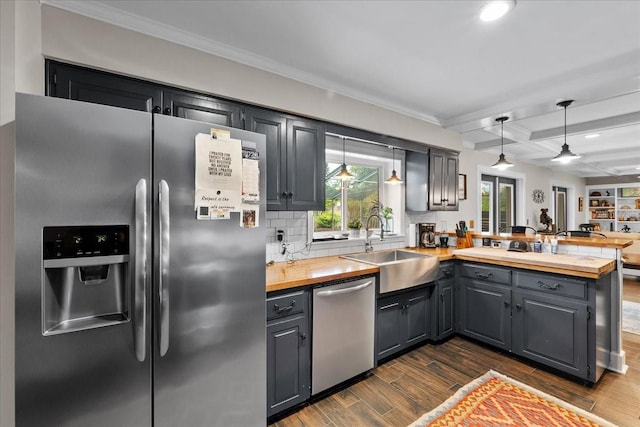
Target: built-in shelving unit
<point>614,208</point>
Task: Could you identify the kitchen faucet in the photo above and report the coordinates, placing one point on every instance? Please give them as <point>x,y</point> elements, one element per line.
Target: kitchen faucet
<point>367,241</point>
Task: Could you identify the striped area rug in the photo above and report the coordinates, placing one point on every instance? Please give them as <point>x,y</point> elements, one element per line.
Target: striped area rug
<point>497,400</point>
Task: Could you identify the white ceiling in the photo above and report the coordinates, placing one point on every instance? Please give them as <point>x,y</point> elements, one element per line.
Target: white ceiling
<point>437,61</point>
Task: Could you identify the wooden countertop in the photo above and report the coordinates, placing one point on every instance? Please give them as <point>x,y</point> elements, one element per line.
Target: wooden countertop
<point>563,240</point>
<point>283,275</point>
<point>570,265</point>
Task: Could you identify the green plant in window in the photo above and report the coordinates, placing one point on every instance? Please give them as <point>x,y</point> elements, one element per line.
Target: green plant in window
<point>328,221</point>
<point>355,224</point>
<point>386,213</point>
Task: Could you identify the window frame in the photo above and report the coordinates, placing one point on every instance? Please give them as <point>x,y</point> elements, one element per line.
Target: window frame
<point>372,155</point>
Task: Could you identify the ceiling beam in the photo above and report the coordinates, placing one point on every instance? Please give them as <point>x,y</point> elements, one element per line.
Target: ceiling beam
<point>593,125</point>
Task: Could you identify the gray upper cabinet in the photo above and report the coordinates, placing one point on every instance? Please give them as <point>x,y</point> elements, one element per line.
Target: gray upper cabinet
<point>295,159</point>
<point>443,180</point>
<point>201,108</point>
<point>80,84</point>
<point>431,181</point>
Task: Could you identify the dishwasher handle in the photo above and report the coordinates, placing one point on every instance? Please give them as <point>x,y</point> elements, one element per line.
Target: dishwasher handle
<point>348,290</point>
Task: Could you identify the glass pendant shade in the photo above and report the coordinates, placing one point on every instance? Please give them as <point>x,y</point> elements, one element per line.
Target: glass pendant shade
<point>344,173</point>
<point>565,155</point>
<point>502,163</point>
<point>394,178</point>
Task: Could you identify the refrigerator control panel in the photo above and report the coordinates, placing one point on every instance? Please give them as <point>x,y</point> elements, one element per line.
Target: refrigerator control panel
<point>85,241</point>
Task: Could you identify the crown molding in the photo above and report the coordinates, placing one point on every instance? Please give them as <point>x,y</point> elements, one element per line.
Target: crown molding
<point>114,16</point>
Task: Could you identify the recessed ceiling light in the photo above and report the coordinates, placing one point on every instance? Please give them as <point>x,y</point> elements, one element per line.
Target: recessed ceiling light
<point>496,10</point>
<point>592,135</point>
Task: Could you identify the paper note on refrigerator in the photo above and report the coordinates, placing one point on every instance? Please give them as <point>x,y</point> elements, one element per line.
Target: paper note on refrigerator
<point>218,173</point>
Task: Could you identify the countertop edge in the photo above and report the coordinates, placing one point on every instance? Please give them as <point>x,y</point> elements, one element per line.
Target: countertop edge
<point>576,272</point>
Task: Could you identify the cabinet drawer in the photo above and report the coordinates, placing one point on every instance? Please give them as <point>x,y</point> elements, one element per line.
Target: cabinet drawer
<point>486,272</point>
<point>556,285</point>
<point>285,305</point>
<point>447,270</point>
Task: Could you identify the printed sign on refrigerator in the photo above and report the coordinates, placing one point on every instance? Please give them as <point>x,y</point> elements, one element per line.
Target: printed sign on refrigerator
<point>218,183</point>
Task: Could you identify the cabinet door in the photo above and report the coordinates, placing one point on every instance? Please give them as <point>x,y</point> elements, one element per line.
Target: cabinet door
<point>417,316</point>
<point>201,108</point>
<point>390,329</point>
<point>274,127</point>
<point>305,165</point>
<point>445,326</point>
<point>486,312</point>
<point>552,331</point>
<point>450,181</point>
<point>288,374</point>
<point>79,84</point>
<point>436,172</point>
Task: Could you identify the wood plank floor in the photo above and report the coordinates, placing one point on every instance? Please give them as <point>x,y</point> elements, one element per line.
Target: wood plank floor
<point>401,390</point>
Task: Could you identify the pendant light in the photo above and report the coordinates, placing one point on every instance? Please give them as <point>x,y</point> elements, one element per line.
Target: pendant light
<point>502,163</point>
<point>565,155</point>
<point>344,173</point>
<point>393,179</point>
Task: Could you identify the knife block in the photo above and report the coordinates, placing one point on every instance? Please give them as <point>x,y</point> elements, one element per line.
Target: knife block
<point>464,242</point>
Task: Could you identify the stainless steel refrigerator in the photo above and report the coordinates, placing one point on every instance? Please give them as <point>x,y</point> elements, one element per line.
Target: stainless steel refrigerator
<point>129,310</point>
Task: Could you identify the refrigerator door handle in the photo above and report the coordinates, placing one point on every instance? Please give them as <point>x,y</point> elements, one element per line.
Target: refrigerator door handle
<point>163,281</point>
<point>140,271</point>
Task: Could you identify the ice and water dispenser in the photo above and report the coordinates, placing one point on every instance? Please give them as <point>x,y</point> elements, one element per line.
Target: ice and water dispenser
<point>86,281</point>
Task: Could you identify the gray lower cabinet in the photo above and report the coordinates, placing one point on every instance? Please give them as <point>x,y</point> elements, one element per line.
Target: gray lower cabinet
<point>485,304</point>
<point>559,321</point>
<point>402,320</point>
<point>288,351</point>
<point>443,303</point>
<point>555,323</point>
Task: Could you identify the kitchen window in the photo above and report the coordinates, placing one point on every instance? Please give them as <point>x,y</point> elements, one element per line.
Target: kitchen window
<point>353,199</point>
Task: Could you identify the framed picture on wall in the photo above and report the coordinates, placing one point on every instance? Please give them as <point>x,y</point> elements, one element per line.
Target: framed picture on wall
<point>462,187</point>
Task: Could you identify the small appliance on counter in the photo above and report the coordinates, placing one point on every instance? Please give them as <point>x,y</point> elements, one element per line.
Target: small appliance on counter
<point>444,240</point>
<point>427,235</point>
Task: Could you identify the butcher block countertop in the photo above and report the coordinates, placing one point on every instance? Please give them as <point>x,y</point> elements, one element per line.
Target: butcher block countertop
<point>284,275</point>
<point>571,265</point>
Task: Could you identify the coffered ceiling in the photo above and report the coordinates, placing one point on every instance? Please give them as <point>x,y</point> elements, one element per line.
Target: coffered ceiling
<point>437,61</point>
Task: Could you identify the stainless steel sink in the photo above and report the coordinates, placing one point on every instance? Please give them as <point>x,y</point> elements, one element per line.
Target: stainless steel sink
<point>400,269</point>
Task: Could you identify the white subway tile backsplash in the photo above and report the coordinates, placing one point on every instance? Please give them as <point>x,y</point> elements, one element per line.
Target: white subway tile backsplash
<point>285,215</point>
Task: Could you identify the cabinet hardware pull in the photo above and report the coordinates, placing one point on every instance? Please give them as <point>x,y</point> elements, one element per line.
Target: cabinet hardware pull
<point>167,111</point>
<point>518,307</point>
<point>280,310</point>
<point>447,273</point>
<point>506,304</point>
<point>284,194</point>
<point>303,336</point>
<point>482,276</point>
<point>546,286</point>
<point>290,195</point>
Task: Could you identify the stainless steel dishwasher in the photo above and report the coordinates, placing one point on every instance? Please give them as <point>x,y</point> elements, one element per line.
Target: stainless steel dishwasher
<point>343,332</point>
